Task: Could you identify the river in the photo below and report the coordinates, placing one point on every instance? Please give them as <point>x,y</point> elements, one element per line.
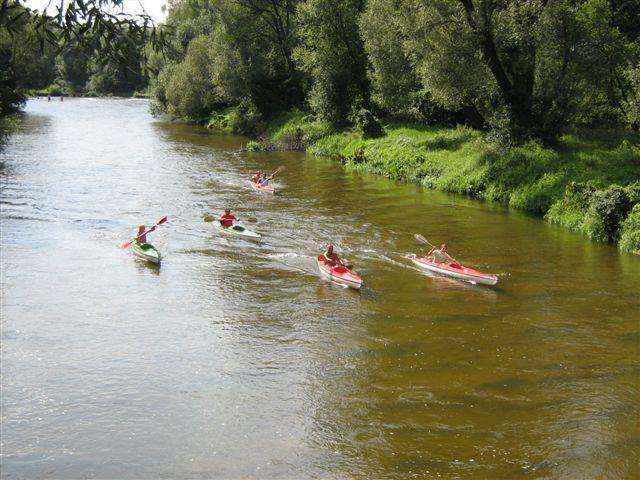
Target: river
<point>236,360</point>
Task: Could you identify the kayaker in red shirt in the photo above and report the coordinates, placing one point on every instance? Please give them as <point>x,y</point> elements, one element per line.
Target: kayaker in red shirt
<point>226,219</point>
<point>331,257</point>
<point>440,255</point>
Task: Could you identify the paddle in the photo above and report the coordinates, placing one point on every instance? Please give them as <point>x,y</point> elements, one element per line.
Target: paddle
<point>128,244</point>
<point>420,238</point>
<point>279,169</point>
<point>211,218</point>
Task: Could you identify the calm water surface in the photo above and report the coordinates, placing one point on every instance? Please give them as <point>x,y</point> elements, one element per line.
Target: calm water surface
<point>235,360</point>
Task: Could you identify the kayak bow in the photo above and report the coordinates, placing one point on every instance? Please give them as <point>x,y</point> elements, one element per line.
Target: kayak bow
<point>147,252</point>
<point>240,232</point>
<point>455,270</point>
<point>339,274</point>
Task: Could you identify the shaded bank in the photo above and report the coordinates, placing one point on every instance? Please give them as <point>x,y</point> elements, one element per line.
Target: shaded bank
<point>589,182</point>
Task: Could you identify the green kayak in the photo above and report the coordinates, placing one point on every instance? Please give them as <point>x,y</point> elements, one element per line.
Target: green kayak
<point>147,252</point>
<point>240,232</point>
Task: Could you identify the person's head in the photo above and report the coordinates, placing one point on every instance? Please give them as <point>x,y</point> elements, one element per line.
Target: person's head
<point>330,248</point>
<point>443,247</point>
<point>227,211</point>
<point>141,229</point>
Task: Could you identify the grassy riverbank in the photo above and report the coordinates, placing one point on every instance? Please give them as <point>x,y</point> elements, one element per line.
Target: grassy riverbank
<point>589,182</point>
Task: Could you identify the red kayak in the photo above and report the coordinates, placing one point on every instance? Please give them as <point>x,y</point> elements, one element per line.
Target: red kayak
<point>455,270</point>
<point>339,274</point>
<point>261,188</point>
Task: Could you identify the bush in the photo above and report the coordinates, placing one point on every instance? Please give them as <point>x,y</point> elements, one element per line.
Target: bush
<point>246,119</point>
<point>630,231</point>
<point>253,146</point>
<point>367,124</point>
<point>56,90</point>
<point>607,211</point>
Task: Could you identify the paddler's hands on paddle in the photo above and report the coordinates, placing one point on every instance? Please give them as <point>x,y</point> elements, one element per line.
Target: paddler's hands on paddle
<point>128,244</point>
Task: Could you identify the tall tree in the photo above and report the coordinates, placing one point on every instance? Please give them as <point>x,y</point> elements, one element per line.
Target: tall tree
<point>332,54</point>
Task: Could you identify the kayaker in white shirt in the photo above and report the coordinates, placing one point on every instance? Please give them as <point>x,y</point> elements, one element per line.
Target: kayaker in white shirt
<point>440,255</point>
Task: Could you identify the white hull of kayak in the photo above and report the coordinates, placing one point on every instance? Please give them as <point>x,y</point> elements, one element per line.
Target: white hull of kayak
<point>340,281</point>
<point>267,189</point>
<point>327,273</point>
<point>145,256</point>
<point>256,237</point>
<point>461,274</point>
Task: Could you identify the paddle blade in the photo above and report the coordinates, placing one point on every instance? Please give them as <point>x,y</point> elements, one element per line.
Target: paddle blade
<point>126,245</point>
<point>420,238</point>
<point>209,218</point>
<point>162,220</point>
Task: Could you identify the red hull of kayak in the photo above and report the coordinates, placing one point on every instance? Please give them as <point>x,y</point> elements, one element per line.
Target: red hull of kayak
<point>259,188</point>
<point>455,270</point>
<point>339,274</point>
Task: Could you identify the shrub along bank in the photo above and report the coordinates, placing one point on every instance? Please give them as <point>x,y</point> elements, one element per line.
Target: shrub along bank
<point>589,181</point>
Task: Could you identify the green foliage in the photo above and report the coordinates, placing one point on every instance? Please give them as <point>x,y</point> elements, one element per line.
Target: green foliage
<point>253,146</point>
<point>246,119</point>
<point>221,120</point>
<point>11,99</point>
<point>332,54</point>
<point>296,130</point>
<point>607,210</point>
<point>365,123</point>
<point>8,124</point>
<point>395,83</point>
<point>601,61</point>
<point>598,213</point>
<point>630,231</point>
<point>189,91</point>
<point>631,102</point>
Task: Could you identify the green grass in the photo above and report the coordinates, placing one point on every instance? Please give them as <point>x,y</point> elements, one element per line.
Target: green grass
<point>295,130</point>
<point>534,178</point>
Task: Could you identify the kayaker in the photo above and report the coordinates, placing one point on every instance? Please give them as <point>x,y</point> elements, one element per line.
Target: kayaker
<point>332,258</point>
<point>227,218</point>
<point>141,236</point>
<point>256,177</point>
<point>264,181</point>
<point>440,255</point>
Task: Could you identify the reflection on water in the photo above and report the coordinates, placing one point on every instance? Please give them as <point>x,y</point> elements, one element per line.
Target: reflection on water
<point>235,360</point>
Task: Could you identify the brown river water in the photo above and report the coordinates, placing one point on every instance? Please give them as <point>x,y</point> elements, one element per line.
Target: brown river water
<point>236,360</point>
